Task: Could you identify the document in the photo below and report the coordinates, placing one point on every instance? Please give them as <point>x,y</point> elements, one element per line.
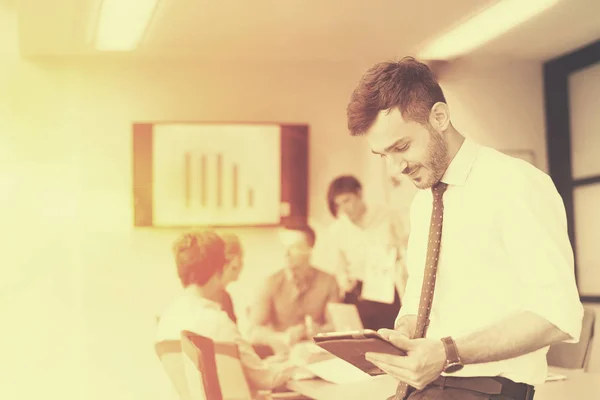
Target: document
<point>555,377</point>
<point>337,371</point>
<point>379,282</point>
<point>313,361</point>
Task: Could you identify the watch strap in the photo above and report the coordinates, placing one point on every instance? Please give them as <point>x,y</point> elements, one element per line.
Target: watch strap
<point>451,351</point>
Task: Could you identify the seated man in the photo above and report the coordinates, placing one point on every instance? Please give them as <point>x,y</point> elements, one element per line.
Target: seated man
<point>200,259</point>
<point>292,304</point>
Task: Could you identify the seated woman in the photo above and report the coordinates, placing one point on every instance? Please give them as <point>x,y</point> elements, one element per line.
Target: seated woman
<point>234,262</point>
<point>234,256</point>
<point>200,259</point>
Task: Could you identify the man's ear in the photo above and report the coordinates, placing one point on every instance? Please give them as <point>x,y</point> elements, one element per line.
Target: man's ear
<point>439,117</point>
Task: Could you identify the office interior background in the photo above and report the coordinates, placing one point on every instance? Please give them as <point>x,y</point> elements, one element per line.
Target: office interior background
<point>80,286</point>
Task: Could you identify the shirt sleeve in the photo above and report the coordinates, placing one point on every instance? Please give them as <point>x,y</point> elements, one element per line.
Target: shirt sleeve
<point>414,281</point>
<point>260,374</point>
<point>260,330</point>
<point>534,231</point>
<point>261,311</point>
<point>399,233</point>
<point>334,292</point>
<point>333,296</point>
<point>412,295</point>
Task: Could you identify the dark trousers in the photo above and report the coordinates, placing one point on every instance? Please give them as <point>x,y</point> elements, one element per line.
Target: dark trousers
<point>486,388</point>
<point>374,315</point>
<point>437,393</point>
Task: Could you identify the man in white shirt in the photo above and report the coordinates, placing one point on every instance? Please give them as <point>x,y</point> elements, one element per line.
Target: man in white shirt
<point>360,239</point>
<point>505,288</point>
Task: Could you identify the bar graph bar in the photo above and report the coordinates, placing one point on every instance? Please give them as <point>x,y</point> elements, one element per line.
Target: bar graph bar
<point>203,174</point>
<point>188,179</point>
<point>250,197</point>
<point>220,197</point>
<point>219,180</point>
<point>234,193</point>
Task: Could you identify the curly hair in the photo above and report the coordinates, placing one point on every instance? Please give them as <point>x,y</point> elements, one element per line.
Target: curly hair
<point>408,85</point>
<point>198,255</point>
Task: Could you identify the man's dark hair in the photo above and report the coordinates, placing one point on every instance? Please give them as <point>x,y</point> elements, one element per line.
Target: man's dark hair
<point>308,232</point>
<point>408,85</point>
<point>198,255</point>
<point>340,185</point>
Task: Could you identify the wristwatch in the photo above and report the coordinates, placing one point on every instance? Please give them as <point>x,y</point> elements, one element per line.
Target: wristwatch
<point>453,361</point>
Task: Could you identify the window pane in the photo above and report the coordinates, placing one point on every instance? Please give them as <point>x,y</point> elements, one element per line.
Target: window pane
<point>587,223</point>
<point>584,92</point>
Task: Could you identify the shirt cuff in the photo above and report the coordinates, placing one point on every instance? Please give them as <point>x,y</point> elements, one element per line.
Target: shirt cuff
<point>562,310</point>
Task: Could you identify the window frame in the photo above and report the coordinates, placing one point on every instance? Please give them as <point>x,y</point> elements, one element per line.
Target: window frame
<point>558,131</point>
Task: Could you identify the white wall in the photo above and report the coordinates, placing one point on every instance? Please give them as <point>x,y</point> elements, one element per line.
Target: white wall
<point>40,335</point>
<point>86,286</point>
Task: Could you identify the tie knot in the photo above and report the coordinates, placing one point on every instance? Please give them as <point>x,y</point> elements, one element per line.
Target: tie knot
<point>438,189</point>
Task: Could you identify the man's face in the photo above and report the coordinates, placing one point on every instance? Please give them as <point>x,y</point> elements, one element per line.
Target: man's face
<point>350,204</point>
<point>409,148</point>
<point>296,249</point>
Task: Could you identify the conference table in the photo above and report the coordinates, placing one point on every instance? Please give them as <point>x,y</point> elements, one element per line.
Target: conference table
<point>579,385</point>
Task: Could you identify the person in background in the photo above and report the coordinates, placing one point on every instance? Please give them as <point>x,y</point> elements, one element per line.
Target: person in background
<point>200,259</point>
<point>354,238</point>
<point>234,256</point>
<point>491,270</point>
<point>292,304</point>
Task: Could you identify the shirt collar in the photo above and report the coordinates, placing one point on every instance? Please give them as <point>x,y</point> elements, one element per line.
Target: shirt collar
<point>202,301</point>
<point>460,166</point>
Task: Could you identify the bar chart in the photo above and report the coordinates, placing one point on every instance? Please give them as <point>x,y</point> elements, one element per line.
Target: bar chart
<point>239,197</point>
<point>216,175</point>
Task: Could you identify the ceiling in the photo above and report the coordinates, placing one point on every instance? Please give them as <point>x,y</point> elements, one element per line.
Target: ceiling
<point>300,30</point>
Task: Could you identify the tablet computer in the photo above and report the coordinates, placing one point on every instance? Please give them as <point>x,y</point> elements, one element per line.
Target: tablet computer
<point>352,347</point>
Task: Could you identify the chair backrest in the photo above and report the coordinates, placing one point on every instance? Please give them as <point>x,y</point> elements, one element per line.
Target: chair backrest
<point>575,355</point>
<point>169,354</point>
<point>215,368</point>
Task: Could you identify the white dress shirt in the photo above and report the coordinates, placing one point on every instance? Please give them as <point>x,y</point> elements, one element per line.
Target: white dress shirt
<point>504,250</point>
<point>204,317</point>
<point>353,245</point>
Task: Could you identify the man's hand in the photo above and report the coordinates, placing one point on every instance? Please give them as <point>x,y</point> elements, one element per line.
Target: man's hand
<point>295,334</point>
<point>423,363</point>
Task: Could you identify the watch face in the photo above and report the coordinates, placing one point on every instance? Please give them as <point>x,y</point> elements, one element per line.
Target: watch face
<point>453,368</point>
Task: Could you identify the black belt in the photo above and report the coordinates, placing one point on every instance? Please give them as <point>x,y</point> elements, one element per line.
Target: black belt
<point>488,385</point>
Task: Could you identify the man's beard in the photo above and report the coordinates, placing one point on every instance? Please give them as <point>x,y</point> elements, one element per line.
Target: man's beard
<point>437,159</point>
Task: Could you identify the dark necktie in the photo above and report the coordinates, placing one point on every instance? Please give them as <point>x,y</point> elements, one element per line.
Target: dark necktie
<point>433,250</point>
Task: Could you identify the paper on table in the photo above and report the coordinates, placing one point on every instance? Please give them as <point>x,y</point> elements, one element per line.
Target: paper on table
<point>555,377</point>
<point>301,374</point>
<point>380,276</point>
<point>337,371</point>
